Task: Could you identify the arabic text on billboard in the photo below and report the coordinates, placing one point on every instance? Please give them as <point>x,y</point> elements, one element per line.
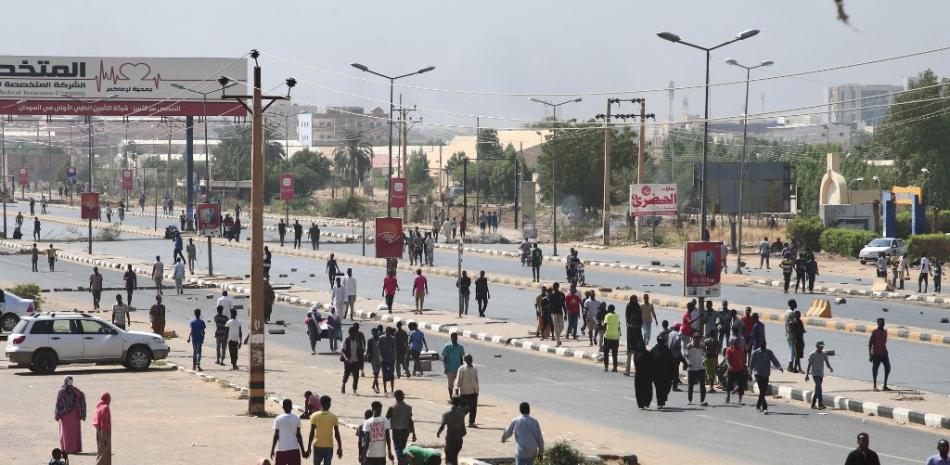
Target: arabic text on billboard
<point>304,130</point>
<point>652,199</point>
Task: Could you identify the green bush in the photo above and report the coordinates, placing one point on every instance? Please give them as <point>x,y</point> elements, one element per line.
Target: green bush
<point>937,246</point>
<point>845,242</point>
<point>562,453</point>
<point>350,206</point>
<point>903,220</point>
<point>29,291</point>
<point>943,221</point>
<point>806,232</point>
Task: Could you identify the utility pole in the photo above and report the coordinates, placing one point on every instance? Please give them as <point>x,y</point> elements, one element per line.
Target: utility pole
<point>256,374</point>
<point>608,147</point>
<point>518,180</point>
<point>89,187</point>
<point>478,163</point>
<point>641,153</point>
<point>464,196</point>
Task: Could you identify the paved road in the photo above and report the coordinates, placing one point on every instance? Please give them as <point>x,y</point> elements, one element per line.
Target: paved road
<point>588,394</point>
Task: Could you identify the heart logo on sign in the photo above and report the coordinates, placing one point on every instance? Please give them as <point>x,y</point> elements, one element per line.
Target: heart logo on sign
<point>140,71</point>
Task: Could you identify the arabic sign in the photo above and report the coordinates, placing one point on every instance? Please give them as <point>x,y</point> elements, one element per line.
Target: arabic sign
<point>287,187</point>
<point>209,217</point>
<point>127,180</point>
<point>652,199</point>
<point>304,130</point>
<point>117,86</point>
<point>71,174</point>
<point>89,205</point>
<point>389,237</point>
<point>702,268</point>
<point>400,193</point>
<point>24,176</point>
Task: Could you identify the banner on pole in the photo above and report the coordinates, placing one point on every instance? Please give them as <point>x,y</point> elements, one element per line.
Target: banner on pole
<point>389,237</point>
<point>71,174</point>
<point>89,205</point>
<point>304,130</point>
<point>127,180</point>
<point>652,199</point>
<point>209,218</point>
<point>702,269</point>
<point>400,193</point>
<point>24,177</point>
<point>287,187</point>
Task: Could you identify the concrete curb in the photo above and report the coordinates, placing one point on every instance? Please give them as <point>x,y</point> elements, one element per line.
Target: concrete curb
<point>869,408</point>
<point>905,296</point>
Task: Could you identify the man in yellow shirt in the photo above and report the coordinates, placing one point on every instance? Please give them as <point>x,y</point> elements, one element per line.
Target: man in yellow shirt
<point>611,336</point>
<point>321,423</point>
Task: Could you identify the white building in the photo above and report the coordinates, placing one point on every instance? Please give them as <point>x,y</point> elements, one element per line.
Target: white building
<point>864,103</point>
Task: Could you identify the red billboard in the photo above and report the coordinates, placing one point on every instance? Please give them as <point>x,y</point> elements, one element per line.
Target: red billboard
<point>24,178</point>
<point>127,180</point>
<point>389,238</point>
<point>702,269</point>
<point>209,216</point>
<point>89,205</point>
<point>287,187</point>
<point>400,193</point>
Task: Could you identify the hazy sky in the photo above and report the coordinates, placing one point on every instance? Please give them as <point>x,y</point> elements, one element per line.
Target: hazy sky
<point>550,46</point>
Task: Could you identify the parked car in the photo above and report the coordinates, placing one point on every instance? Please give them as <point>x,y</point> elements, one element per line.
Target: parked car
<point>886,245</point>
<point>12,308</point>
<point>46,340</point>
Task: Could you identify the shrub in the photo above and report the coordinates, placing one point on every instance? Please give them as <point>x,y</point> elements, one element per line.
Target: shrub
<point>943,221</point>
<point>937,246</point>
<point>903,224</point>
<point>562,453</point>
<point>806,232</point>
<point>29,291</point>
<point>350,206</point>
<point>845,242</point>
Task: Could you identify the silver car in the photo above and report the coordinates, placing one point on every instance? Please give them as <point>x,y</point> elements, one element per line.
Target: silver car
<point>886,245</point>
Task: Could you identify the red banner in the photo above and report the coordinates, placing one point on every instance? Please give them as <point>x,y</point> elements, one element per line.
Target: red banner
<point>209,216</point>
<point>702,269</point>
<point>24,176</point>
<point>400,193</point>
<point>89,205</point>
<point>287,187</point>
<point>389,238</point>
<point>127,180</point>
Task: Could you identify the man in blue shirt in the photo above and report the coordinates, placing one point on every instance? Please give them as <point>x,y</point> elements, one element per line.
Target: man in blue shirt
<point>942,458</point>
<point>452,355</point>
<point>529,442</point>
<point>196,337</point>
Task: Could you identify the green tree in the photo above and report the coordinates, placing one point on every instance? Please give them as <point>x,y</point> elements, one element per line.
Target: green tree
<point>417,167</point>
<point>312,170</point>
<point>353,158</point>
<point>232,157</point>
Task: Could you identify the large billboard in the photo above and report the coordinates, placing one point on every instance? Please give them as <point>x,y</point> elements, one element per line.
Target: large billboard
<point>389,238</point>
<point>767,187</point>
<point>118,86</point>
<point>652,199</point>
<point>304,130</point>
<point>702,269</point>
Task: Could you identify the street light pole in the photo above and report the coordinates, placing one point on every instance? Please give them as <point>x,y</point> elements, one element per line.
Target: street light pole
<point>3,162</point>
<point>745,135</point>
<point>392,111</point>
<point>554,106</point>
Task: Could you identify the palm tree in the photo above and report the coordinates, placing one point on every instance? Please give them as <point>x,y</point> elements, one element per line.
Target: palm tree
<point>353,158</point>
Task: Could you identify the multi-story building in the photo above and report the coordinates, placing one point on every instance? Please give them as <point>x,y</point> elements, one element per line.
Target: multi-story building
<point>860,103</point>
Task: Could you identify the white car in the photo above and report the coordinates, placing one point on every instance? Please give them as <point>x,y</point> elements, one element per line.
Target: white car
<point>46,340</point>
<point>12,308</point>
<point>886,245</point>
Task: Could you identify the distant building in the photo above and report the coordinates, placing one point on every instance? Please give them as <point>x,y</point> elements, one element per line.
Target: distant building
<point>860,103</point>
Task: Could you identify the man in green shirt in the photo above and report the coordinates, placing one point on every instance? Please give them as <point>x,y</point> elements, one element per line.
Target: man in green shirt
<point>611,336</point>
<point>416,455</point>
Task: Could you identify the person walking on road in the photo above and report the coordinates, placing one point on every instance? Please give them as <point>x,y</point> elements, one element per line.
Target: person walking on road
<point>937,267</point>
<point>51,257</point>
<point>102,422</point>
<point>643,376</point>
<point>789,336</point>
<point>35,258</point>
<point>376,438</point>
<point>314,235</point>
<point>131,282</point>
<point>235,335</point>
<point>420,288</point>
<point>179,276</point>
<point>663,367</point>
<point>36,228</point>
<point>536,257</point>
<point>556,307</point>
<point>298,234</point>
<point>351,354</point>
<point>817,361</point>
<point>903,270</point>
<point>338,297</point>
<point>453,423</point>
<point>158,269</point>
<point>764,253</point>
<point>877,350</point>
<point>287,441</point>
<point>95,287</point>
<point>120,314</point>
<point>466,387</point>
<point>464,284</point>
<point>192,253</point>
<point>634,319</point>
<point>220,333</point>
<point>400,419</point>
<point>326,426</point>
<point>648,316</point>
<point>387,356</point>
<point>32,206</point>
<point>529,441</point>
<point>196,336</point>
<point>281,231</point>
<point>374,358</point>
<point>762,361</point>
<point>924,273</point>
<point>179,247</point>
<point>156,316</point>
<point>736,371</point>
<point>591,322</point>
<point>70,413</point>
<point>611,345</point>
<point>787,265</point>
<point>572,302</point>
<point>417,341</point>
<point>390,286</point>
<point>452,356</point>
<point>312,323</point>
<point>943,454</point>
<point>482,295</point>
<point>333,270</point>
<point>349,284</point>
<point>863,455</point>
<point>401,338</point>
<point>696,369</point>
<point>798,334</point>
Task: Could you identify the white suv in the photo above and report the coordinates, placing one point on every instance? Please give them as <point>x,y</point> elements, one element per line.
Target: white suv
<point>43,341</point>
<point>12,308</point>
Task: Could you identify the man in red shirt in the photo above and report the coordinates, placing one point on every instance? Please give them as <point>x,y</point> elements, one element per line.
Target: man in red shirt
<point>735,370</point>
<point>573,303</point>
<point>877,348</point>
<point>420,288</point>
<point>390,286</point>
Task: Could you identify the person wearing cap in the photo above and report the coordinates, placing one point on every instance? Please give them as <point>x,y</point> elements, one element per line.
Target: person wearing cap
<point>817,361</point>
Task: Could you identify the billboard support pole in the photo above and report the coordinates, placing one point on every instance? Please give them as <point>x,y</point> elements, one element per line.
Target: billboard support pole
<point>89,187</point>
<point>745,129</point>
<point>190,172</point>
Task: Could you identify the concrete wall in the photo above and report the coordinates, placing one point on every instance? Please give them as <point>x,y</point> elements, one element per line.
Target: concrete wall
<point>847,216</point>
